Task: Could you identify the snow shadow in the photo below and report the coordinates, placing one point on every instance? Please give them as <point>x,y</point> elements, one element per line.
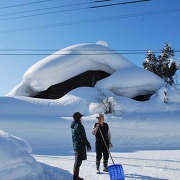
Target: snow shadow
<point>55,173</point>
<point>138,176</point>
<point>56,151</point>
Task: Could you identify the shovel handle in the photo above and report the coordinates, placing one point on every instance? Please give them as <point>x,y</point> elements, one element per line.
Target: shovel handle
<point>106,145</point>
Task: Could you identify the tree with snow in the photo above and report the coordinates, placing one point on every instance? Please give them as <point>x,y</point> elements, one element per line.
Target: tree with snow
<point>164,66</point>
<point>150,62</point>
<point>106,102</point>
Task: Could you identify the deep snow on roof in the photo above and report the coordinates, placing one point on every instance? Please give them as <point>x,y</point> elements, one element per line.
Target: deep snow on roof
<point>131,82</point>
<point>74,60</point>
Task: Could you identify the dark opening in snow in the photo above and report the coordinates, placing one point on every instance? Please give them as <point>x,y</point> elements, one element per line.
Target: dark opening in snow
<point>88,79</point>
<point>143,97</point>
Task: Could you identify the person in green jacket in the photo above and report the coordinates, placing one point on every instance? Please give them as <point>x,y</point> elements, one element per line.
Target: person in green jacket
<point>80,143</point>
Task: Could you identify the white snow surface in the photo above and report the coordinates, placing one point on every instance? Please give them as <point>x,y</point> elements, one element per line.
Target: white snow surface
<point>145,144</point>
<point>131,82</point>
<point>74,60</point>
<point>145,136</point>
<point>87,101</point>
<point>68,63</point>
<point>16,160</point>
<point>35,135</point>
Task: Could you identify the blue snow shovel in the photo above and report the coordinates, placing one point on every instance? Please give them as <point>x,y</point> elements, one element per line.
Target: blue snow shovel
<point>116,170</point>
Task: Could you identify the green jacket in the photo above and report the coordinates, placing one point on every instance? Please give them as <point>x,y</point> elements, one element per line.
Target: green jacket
<point>79,138</point>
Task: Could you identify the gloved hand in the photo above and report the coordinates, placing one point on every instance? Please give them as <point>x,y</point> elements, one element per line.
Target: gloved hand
<point>110,145</point>
<point>88,147</point>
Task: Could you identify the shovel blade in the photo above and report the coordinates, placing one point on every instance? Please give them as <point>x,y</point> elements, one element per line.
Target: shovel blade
<point>116,172</point>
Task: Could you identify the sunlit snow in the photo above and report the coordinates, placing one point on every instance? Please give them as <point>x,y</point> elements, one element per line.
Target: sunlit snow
<point>35,135</point>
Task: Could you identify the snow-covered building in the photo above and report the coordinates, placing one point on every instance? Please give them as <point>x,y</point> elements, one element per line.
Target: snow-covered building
<point>88,78</point>
<point>93,65</point>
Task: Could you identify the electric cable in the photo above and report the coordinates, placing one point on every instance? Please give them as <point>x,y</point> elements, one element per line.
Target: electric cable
<point>79,54</point>
<point>24,4</point>
<point>48,8</point>
<point>91,20</point>
<point>116,4</point>
<point>60,11</point>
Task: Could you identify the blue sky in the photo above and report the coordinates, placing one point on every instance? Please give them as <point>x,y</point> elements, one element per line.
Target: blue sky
<point>137,26</point>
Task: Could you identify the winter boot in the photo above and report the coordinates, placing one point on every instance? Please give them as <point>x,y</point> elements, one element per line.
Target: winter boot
<point>98,167</point>
<point>105,162</point>
<point>76,175</point>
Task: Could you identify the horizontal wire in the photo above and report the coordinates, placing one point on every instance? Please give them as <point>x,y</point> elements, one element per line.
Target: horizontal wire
<point>91,20</point>
<point>72,54</point>
<point>84,54</point>
<point>49,8</point>
<point>42,1</point>
<point>84,50</point>
<point>62,6</point>
<point>24,4</point>
<point>68,10</point>
<point>103,1</point>
<point>123,3</point>
<point>68,50</point>
<point>46,13</point>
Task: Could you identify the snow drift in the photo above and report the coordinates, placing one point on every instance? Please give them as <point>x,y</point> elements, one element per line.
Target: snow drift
<point>15,159</point>
<point>87,100</point>
<point>131,82</point>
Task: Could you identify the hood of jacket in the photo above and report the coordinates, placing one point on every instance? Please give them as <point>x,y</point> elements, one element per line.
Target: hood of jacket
<point>74,123</point>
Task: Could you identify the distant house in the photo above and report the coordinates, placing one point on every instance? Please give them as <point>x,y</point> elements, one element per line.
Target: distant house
<point>88,78</point>
<point>90,65</point>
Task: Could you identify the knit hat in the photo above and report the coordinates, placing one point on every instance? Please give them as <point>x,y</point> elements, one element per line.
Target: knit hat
<point>77,115</point>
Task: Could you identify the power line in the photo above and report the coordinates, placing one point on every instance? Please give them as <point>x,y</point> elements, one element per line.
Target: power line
<point>107,50</point>
<point>59,11</point>
<point>46,13</point>
<point>91,20</point>
<point>103,1</point>
<point>25,4</point>
<point>87,50</point>
<point>47,54</point>
<point>72,54</point>
<point>42,1</point>
<point>116,4</point>
<point>49,8</point>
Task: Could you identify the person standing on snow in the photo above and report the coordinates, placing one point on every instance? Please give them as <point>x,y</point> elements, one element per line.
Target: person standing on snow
<point>80,143</point>
<point>99,144</point>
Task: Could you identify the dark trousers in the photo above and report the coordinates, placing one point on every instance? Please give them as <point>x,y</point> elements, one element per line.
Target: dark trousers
<point>77,164</point>
<point>80,155</point>
<point>101,150</point>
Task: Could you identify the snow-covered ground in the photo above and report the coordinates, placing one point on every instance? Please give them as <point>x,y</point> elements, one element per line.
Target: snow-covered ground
<point>142,165</point>
<point>146,144</point>
<point>145,136</point>
<point>35,134</point>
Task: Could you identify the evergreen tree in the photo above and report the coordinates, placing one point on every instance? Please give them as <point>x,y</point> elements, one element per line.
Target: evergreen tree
<point>162,66</point>
<point>150,62</point>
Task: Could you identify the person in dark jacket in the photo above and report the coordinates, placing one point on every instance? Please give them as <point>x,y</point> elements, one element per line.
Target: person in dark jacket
<point>101,147</point>
<point>80,143</point>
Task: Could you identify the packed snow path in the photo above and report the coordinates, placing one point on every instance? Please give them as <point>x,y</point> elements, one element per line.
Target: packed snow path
<point>146,144</point>
<point>143,165</point>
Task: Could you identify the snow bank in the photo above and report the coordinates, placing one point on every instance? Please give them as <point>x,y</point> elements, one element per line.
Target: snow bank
<point>131,82</point>
<point>173,94</point>
<point>15,159</point>
<point>87,100</point>
<point>76,100</point>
